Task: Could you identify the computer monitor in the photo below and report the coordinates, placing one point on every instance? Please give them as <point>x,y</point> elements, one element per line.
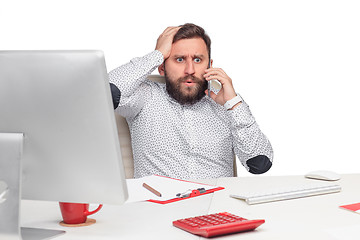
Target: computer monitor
<point>60,104</point>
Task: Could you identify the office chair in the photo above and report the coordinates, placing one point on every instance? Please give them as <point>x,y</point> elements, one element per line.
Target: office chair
<point>125,139</point>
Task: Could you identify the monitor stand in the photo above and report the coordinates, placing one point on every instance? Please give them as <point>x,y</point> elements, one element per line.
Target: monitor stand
<point>11,147</point>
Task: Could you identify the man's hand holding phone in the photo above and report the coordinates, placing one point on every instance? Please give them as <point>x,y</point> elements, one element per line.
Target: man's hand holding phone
<point>227,91</point>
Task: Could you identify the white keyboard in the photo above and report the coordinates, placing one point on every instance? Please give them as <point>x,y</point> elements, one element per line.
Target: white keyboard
<point>287,193</point>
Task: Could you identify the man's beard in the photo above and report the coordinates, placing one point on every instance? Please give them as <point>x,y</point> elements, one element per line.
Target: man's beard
<point>187,95</point>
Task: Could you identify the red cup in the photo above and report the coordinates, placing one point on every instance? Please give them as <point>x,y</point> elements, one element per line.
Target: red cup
<point>76,213</point>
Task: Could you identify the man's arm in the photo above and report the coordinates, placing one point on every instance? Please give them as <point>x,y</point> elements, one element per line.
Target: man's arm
<point>250,144</point>
<point>129,78</point>
<point>130,81</point>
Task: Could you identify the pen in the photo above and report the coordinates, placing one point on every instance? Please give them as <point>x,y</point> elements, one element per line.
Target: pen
<point>151,190</point>
<point>184,194</point>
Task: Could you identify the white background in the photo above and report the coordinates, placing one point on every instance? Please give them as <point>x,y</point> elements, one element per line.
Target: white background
<point>296,63</point>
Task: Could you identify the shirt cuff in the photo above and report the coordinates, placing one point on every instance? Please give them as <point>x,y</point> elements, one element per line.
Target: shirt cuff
<point>158,56</point>
<point>241,116</point>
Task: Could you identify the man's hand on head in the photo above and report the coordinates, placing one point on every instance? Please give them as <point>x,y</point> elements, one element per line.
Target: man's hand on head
<point>164,42</point>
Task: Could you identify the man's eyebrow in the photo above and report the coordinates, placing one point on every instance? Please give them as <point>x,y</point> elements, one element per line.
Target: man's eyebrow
<point>179,56</point>
<point>199,56</point>
<point>193,56</point>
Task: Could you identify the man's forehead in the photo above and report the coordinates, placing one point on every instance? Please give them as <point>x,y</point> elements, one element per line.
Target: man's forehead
<point>191,46</point>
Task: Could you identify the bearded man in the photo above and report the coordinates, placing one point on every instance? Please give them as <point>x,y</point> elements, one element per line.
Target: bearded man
<point>179,129</point>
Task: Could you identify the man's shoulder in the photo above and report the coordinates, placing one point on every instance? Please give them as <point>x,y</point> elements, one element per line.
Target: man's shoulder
<point>156,78</point>
<point>154,83</point>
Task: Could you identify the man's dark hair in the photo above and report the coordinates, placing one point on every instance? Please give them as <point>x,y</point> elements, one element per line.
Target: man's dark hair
<point>190,30</point>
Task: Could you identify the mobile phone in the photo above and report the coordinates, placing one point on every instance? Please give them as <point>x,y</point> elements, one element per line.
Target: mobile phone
<point>209,84</point>
<point>214,82</point>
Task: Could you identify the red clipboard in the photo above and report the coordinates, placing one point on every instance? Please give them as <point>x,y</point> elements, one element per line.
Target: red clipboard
<point>194,193</point>
<point>194,189</point>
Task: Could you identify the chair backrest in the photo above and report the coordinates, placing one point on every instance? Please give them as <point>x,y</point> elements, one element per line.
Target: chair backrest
<point>125,138</point>
<point>125,145</point>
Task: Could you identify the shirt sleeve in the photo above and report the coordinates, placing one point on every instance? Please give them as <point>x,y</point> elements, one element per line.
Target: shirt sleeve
<point>250,145</point>
<point>130,79</point>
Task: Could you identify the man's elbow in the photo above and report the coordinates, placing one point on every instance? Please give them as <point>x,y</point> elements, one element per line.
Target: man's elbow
<point>115,94</point>
<point>259,164</point>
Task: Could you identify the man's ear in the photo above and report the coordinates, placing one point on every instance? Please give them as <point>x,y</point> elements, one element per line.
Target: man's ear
<point>211,62</point>
<point>161,69</point>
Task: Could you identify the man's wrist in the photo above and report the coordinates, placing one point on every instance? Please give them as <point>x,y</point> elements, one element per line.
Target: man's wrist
<point>235,106</point>
<point>159,54</point>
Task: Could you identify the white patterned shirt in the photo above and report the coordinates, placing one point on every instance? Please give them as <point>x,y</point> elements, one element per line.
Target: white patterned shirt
<point>182,141</point>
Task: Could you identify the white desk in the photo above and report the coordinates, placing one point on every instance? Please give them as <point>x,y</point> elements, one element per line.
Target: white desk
<point>316,217</point>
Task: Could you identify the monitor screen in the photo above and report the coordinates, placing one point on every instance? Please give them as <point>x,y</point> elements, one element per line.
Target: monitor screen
<point>61,102</point>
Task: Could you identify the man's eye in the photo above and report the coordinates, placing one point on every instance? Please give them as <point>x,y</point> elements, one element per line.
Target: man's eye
<point>197,60</point>
<point>179,59</point>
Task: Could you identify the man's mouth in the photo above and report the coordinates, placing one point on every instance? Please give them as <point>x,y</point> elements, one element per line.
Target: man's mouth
<point>189,82</point>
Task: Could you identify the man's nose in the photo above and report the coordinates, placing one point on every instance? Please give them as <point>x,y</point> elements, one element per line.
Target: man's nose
<point>189,68</point>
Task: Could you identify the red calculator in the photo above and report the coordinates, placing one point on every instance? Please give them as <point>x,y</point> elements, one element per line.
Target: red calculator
<point>217,224</point>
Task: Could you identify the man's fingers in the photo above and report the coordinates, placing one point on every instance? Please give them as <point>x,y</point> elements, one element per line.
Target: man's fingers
<point>171,30</point>
<point>214,71</point>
